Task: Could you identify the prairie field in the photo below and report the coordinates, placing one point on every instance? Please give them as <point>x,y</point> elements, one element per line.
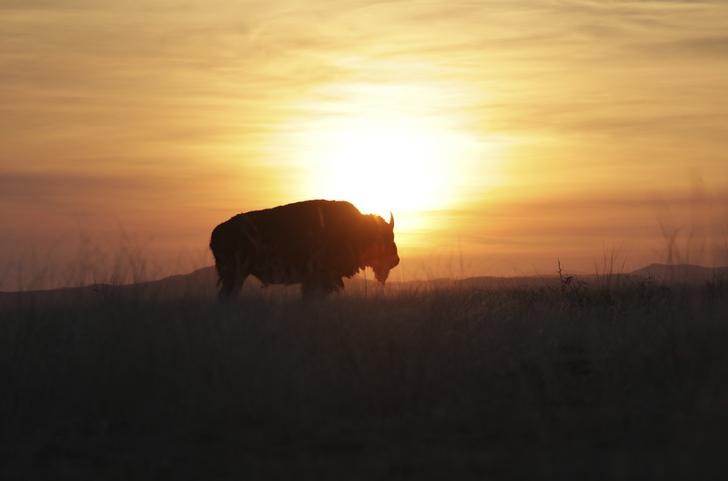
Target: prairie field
<point>567,379</point>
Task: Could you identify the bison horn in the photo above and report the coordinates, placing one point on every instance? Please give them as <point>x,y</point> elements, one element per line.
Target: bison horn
<point>391,219</point>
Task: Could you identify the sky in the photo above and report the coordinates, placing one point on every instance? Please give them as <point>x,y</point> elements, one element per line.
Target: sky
<point>503,135</point>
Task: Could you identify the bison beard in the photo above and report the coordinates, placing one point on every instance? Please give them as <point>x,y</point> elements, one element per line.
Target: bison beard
<point>315,243</point>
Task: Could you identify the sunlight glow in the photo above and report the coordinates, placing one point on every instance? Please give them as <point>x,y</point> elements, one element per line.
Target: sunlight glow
<point>394,147</point>
<point>384,165</point>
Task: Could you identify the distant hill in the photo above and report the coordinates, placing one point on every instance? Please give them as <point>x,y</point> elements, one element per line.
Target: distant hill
<point>201,284</point>
<point>683,273</point>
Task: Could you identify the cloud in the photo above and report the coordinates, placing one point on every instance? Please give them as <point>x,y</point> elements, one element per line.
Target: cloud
<point>72,193</point>
<point>702,47</point>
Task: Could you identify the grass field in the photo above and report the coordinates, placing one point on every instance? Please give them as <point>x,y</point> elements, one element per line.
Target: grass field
<point>565,381</point>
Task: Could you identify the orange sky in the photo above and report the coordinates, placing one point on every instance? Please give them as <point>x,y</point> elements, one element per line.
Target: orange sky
<point>503,134</point>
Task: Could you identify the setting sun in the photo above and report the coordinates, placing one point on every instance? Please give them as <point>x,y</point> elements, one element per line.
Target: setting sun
<point>381,147</point>
<point>384,165</point>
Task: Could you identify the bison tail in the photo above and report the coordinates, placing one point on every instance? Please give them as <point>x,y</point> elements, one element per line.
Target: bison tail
<point>227,262</point>
<point>216,246</point>
<point>231,274</point>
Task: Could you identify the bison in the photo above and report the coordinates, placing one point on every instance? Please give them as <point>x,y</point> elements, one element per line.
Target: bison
<point>314,243</point>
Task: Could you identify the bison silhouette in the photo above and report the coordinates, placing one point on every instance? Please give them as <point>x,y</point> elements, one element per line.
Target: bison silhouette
<point>315,243</point>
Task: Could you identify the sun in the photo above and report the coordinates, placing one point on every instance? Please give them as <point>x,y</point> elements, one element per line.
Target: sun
<point>404,148</point>
<point>384,164</point>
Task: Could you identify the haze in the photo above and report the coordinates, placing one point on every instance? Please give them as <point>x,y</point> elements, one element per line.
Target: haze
<point>502,134</point>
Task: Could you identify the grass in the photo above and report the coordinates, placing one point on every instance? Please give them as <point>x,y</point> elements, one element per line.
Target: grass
<point>618,381</point>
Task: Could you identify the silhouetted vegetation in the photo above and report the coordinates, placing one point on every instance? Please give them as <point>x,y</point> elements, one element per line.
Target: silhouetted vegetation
<point>622,380</point>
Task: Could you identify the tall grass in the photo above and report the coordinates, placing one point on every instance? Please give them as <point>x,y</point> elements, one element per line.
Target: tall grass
<point>85,260</point>
<point>457,383</point>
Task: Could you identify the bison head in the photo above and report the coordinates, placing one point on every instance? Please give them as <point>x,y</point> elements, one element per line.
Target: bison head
<point>381,253</point>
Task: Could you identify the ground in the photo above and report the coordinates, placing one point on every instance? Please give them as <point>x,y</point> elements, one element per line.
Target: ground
<point>621,380</point>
